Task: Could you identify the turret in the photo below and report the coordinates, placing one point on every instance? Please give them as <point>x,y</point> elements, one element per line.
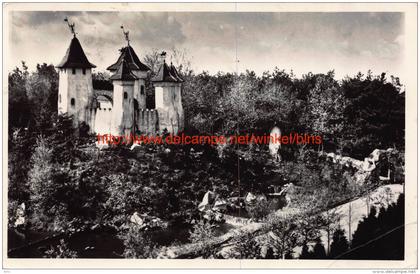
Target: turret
<point>123,100</point>
<point>75,91</point>
<point>137,68</point>
<point>168,101</point>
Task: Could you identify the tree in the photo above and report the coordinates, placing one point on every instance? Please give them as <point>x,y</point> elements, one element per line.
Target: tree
<point>374,116</point>
<point>202,231</point>
<point>246,247</point>
<point>325,108</point>
<point>339,244</point>
<point>41,181</point>
<point>380,236</point>
<point>319,250</point>
<point>20,150</point>
<point>19,104</point>
<point>308,226</point>
<point>305,254</point>
<point>137,244</point>
<point>42,89</point>
<point>284,236</point>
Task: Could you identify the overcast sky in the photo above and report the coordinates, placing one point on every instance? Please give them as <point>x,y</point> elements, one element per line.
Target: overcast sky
<point>316,42</point>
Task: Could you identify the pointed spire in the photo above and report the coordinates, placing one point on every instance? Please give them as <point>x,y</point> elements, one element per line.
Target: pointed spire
<point>128,54</point>
<point>75,57</point>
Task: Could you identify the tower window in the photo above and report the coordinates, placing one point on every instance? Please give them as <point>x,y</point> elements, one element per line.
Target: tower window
<point>84,71</point>
<point>72,101</point>
<point>125,95</point>
<point>73,71</point>
<point>142,90</point>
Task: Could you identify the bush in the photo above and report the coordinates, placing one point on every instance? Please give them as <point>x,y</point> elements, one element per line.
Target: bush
<point>137,244</point>
<point>60,251</point>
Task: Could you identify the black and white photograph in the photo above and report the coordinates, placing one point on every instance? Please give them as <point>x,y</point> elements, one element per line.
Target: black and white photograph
<point>219,135</point>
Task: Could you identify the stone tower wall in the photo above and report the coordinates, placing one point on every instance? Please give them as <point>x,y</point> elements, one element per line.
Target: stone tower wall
<point>123,108</point>
<point>169,107</point>
<point>78,87</point>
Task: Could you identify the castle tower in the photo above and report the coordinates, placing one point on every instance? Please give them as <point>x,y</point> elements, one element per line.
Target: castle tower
<point>123,100</point>
<point>168,98</point>
<point>75,90</point>
<point>137,68</point>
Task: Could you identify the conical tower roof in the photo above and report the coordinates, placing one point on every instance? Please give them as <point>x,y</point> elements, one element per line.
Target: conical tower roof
<point>132,59</point>
<point>164,74</point>
<point>75,57</point>
<point>175,73</point>
<point>124,73</point>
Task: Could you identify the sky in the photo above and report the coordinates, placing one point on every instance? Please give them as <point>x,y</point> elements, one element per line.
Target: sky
<point>302,42</point>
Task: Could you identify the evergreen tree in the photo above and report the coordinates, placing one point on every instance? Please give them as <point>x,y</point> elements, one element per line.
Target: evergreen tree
<point>319,250</point>
<point>380,237</point>
<point>41,182</point>
<point>305,252</point>
<point>246,247</point>
<point>339,244</point>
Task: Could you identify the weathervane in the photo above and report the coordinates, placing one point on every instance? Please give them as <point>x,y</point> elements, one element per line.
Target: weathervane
<point>126,33</point>
<point>163,55</point>
<point>71,26</point>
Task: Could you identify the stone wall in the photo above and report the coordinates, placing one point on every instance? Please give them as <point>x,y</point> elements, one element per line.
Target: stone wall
<point>102,122</point>
<point>123,110</point>
<point>75,94</point>
<point>169,106</point>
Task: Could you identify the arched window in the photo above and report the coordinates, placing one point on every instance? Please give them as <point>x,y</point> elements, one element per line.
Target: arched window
<point>125,95</point>
<point>84,71</point>
<point>142,90</point>
<point>72,101</point>
<point>73,71</point>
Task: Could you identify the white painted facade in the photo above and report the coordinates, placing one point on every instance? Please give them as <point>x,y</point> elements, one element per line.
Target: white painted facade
<point>140,88</point>
<point>103,116</point>
<point>123,108</point>
<point>169,106</point>
<point>75,93</point>
<point>121,111</point>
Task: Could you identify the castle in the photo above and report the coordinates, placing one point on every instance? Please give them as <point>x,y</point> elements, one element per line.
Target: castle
<point>119,108</point>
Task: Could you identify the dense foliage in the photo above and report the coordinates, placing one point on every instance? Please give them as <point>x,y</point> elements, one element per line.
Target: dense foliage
<point>69,185</point>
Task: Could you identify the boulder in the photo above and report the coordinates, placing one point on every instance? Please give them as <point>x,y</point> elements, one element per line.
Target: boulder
<point>136,219</point>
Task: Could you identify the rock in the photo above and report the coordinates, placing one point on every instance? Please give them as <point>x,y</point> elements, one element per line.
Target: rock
<point>207,201</point>
<point>134,146</point>
<point>250,198</point>
<point>219,204</point>
<point>136,219</point>
<point>20,215</point>
<point>376,154</point>
<point>19,221</point>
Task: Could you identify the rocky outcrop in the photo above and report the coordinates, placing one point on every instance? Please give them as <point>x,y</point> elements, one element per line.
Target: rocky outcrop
<point>363,168</point>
